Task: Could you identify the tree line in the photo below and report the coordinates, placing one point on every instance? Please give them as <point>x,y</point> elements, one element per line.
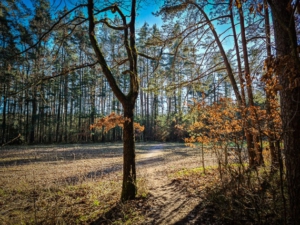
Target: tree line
<point>45,100</point>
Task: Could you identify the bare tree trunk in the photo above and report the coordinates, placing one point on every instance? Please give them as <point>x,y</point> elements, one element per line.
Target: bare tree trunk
<point>33,117</point>
<point>288,70</point>
<point>93,109</point>
<point>57,137</point>
<point>129,170</point>
<point>4,116</point>
<point>252,140</point>
<point>248,135</point>
<point>271,139</point>
<point>66,90</point>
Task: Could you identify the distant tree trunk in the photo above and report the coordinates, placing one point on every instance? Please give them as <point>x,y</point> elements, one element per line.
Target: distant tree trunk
<point>4,116</point>
<point>66,90</point>
<point>147,99</point>
<point>80,97</point>
<point>41,122</point>
<point>169,108</point>
<point>33,117</point>
<point>155,113</point>
<point>71,114</point>
<point>142,101</point>
<point>57,139</point>
<point>289,79</point>
<point>27,118</point>
<point>93,109</point>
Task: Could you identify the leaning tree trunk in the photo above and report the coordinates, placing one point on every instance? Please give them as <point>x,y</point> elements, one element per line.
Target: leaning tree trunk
<point>288,69</point>
<point>255,158</point>
<point>129,172</point>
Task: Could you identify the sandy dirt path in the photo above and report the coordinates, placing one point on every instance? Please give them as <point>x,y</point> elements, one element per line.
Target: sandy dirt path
<point>169,203</point>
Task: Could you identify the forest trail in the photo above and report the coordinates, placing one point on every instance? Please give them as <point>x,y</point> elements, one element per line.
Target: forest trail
<point>169,203</point>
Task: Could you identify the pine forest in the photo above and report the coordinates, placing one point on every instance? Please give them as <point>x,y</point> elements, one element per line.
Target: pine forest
<point>150,112</point>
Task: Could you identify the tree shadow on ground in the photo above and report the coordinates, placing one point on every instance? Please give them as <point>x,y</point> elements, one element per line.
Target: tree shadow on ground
<point>24,156</point>
<point>116,167</point>
<point>146,146</point>
<point>237,201</point>
<point>124,213</point>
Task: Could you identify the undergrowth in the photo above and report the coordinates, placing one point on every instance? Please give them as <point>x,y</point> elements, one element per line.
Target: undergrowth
<point>232,196</point>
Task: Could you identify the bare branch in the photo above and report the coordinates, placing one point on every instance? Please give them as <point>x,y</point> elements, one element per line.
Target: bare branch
<point>111,26</point>
<point>51,28</point>
<point>70,69</point>
<point>65,71</point>
<point>148,57</point>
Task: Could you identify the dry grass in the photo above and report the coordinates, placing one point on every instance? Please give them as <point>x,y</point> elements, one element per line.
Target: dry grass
<point>81,184</point>
<point>76,184</point>
<point>59,184</point>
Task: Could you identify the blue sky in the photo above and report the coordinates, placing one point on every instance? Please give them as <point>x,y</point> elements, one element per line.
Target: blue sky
<point>144,11</point>
<point>145,14</point>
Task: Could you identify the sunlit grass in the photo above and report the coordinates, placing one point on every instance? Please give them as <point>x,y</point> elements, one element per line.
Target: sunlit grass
<point>28,202</point>
<point>66,185</point>
<point>63,186</point>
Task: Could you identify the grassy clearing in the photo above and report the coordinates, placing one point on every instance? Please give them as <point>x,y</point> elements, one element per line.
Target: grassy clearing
<point>82,185</point>
<point>75,184</point>
<point>63,185</point>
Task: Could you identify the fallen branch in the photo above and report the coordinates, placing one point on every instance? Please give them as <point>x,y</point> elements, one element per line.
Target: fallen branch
<point>11,140</point>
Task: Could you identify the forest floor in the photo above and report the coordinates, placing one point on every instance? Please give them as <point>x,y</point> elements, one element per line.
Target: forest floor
<point>81,184</point>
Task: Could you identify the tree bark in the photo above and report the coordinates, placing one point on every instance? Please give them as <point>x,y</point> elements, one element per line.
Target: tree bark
<point>289,77</point>
<point>129,171</point>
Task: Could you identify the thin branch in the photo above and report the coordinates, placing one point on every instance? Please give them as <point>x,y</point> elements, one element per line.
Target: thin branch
<point>50,29</point>
<point>64,72</point>
<point>104,21</point>
<point>70,69</point>
<point>148,57</point>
